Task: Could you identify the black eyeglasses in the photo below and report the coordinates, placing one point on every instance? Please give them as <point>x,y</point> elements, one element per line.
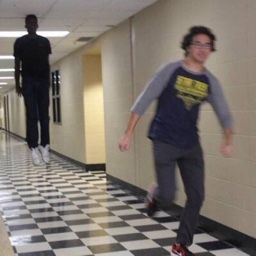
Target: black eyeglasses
<point>197,44</point>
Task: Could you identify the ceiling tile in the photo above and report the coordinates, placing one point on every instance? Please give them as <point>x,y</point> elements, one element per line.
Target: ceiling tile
<point>20,8</point>
<point>83,18</point>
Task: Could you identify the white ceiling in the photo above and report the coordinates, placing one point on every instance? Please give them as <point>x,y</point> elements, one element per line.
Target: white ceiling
<point>82,18</point>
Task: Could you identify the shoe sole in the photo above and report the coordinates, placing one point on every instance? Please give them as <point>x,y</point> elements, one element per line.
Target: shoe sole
<point>47,161</point>
<point>174,254</point>
<point>38,164</point>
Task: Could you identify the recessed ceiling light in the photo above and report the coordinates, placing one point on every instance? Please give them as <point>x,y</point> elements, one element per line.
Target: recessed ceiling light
<point>3,83</point>
<point>6,57</point>
<point>6,69</point>
<point>41,33</point>
<point>6,77</point>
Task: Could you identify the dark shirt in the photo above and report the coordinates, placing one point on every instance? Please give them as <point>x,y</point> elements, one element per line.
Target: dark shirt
<point>33,51</point>
<point>180,93</point>
<point>177,112</point>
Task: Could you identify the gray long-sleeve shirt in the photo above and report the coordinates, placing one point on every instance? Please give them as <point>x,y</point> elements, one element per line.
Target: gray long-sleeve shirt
<point>180,93</point>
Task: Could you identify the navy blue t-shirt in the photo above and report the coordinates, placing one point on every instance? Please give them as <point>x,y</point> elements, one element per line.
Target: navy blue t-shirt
<point>175,121</point>
<point>179,93</point>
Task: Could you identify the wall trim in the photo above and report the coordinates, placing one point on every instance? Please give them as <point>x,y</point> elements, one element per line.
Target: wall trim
<point>87,167</point>
<point>95,167</point>
<point>13,134</point>
<point>218,230</point>
<point>73,161</point>
<point>136,190</point>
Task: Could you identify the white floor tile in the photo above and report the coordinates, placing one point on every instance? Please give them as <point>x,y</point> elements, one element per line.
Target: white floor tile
<point>92,241</point>
<point>171,225</point>
<point>107,219</point>
<point>81,216</point>
<point>76,251</point>
<point>44,214</point>
<point>141,222</point>
<point>111,204</point>
<point>229,252</point>
<point>20,222</point>
<point>121,231</point>
<point>61,237</point>
<point>119,253</point>
<point>201,238</point>
<point>85,227</point>
<point>126,212</point>
<point>160,234</point>
<point>140,244</point>
<point>51,224</point>
<point>33,247</point>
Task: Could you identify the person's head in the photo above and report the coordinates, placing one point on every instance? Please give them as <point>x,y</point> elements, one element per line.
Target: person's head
<point>198,43</point>
<point>31,23</point>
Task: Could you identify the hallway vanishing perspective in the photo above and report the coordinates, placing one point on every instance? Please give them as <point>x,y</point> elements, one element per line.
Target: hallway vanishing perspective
<point>60,209</point>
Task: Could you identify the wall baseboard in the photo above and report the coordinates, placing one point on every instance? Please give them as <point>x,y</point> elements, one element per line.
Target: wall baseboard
<point>73,161</point>
<point>220,231</point>
<point>13,134</point>
<point>87,167</point>
<point>95,167</point>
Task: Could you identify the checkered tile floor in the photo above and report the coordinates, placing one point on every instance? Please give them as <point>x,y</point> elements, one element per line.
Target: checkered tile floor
<point>61,210</point>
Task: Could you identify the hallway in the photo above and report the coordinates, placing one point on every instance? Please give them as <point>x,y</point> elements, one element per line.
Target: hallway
<point>61,210</point>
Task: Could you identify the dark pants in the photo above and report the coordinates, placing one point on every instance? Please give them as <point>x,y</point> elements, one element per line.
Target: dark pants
<point>36,97</point>
<point>191,166</point>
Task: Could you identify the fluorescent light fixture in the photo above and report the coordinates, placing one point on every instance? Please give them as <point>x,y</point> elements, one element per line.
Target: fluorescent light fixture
<point>12,33</point>
<point>6,69</point>
<point>6,57</point>
<point>53,33</point>
<point>41,33</point>
<point>6,77</point>
<point>3,83</point>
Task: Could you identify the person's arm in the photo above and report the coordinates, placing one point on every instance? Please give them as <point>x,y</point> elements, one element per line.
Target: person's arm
<point>154,88</point>
<point>125,141</point>
<point>220,106</point>
<point>227,145</point>
<point>17,76</point>
<point>152,91</point>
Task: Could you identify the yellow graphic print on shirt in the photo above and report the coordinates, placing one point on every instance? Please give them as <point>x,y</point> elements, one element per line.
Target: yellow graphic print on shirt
<point>191,91</point>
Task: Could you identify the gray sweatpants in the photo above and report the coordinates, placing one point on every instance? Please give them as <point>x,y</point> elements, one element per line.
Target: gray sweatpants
<point>191,166</point>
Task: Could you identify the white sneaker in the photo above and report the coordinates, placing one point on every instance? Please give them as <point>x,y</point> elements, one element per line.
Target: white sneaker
<point>45,153</point>
<point>36,157</point>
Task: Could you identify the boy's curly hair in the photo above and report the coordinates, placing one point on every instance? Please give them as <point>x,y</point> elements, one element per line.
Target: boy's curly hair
<point>196,30</point>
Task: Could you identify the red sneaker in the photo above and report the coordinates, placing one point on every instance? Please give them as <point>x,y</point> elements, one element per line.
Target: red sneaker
<point>181,250</point>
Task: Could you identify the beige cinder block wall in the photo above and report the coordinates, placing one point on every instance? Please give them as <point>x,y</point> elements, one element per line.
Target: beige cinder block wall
<point>2,125</point>
<point>155,36</point>
<point>118,97</point>
<point>93,110</point>
<point>17,112</point>
<point>68,138</point>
